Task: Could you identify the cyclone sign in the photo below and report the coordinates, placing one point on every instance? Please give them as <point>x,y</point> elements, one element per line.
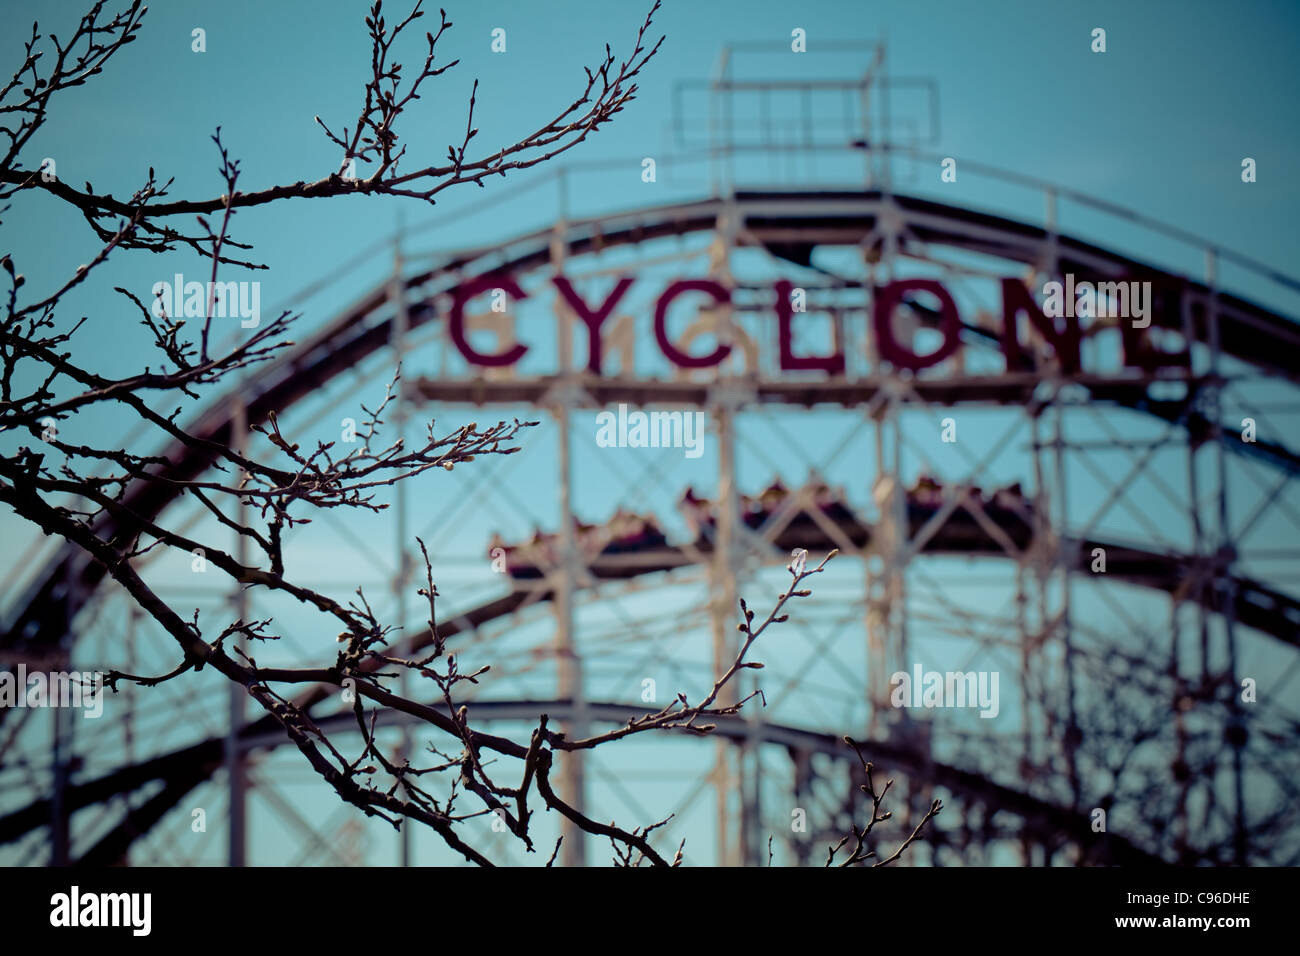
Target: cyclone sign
<point>1056,321</point>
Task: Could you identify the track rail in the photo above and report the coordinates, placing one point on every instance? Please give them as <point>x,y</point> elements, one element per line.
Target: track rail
<point>187,768</point>
<point>1265,339</point>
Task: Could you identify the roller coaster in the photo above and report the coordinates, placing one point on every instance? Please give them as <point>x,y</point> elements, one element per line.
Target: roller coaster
<point>1132,705</point>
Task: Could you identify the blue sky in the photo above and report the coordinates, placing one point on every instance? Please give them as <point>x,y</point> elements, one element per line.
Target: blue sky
<point>1158,124</point>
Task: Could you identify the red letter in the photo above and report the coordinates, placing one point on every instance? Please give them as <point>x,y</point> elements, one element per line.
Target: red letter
<point>593,319</point>
<point>887,298</point>
<point>678,357</point>
<point>1138,350</point>
<point>834,364</point>
<point>463,294</point>
<point>1016,299</point>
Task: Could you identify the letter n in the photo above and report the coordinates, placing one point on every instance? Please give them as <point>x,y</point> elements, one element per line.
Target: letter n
<point>1016,299</point>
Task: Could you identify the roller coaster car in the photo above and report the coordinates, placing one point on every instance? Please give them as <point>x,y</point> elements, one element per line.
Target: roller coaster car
<point>699,515</point>
<point>758,508</point>
<point>1007,507</point>
<point>624,533</point>
<point>527,560</point>
<point>630,533</point>
<point>803,530</point>
<point>807,528</point>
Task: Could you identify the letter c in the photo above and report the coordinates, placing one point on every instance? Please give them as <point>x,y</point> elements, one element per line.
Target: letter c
<point>463,293</point>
